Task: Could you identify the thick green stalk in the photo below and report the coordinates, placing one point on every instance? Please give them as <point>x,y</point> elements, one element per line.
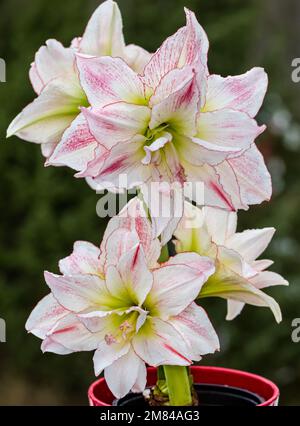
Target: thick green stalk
<point>164,254</point>
<point>179,386</point>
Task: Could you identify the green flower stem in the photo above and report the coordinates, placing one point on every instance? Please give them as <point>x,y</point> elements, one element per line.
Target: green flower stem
<point>164,254</point>
<point>177,377</point>
<point>179,386</point>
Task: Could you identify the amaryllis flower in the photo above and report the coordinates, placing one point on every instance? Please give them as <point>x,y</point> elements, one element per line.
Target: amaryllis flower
<point>239,276</point>
<point>173,122</point>
<point>132,313</point>
<point>54,77</point>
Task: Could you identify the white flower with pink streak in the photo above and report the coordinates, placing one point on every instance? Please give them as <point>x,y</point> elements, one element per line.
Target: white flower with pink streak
<point>120,302</point>
<point>54,77</point>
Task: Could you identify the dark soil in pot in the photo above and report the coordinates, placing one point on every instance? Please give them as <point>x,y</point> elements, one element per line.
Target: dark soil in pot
<point>208,395</point>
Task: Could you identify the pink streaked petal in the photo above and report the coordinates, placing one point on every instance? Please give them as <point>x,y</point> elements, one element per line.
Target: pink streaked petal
<point>103,35</point>
<point>115,243</point>
<point>77,292</point>
<point>188,46</point>
<point>247,177</point>
<point>214,193</point>
<point>107,80</point>
<point>251,243</point>
<point>73,335</point>
<point>83,260</point>
<point>242,92</point>
<point>174,80</point>
<point>44,316</point>
<point>50,345</point>
<point>179,109</point>
<point>196,329</point>
<point>227,132</point>
<point>184,275</point>
<point>136,227</point>
<point>135,276</point>
<point>77,146</point>
<point>123,168</point>
<point>165,59</point>
<point>250,170</point>
<point>200,152</point>
<point>159,343</point>
<point>117,122</point>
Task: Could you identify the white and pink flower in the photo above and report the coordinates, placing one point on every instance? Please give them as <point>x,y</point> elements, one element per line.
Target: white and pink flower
<point>172,122</point>
<point>54,77</point>
<point>239,277</point>
<point>120,302</point>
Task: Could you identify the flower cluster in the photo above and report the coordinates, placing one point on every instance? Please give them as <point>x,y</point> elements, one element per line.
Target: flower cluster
<point>106,109</point>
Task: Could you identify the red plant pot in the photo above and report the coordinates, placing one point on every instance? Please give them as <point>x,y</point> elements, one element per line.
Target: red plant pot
<point>100,395</point>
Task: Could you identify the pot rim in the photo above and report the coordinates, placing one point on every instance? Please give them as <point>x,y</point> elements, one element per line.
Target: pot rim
<point>202,374</point>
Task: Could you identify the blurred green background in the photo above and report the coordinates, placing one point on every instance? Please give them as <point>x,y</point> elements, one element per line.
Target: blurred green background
<point>44,210</point>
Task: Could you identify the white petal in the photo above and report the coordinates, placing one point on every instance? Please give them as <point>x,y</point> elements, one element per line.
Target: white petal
<point>50,345</point>
<point>261,265</point>
<point>191,234</point>
<point>48,148</point>
<point>251,243</point>
<point>122,375</point>
<point>268,279</point>
<point>221,224</point>
<point>177,283</point>
<point>230,285</point>
<point>47,117</point>
<point>136,57</point>
<point>234,308</point>
<point>165,203</point>
<point>52,61</point>
<point>106,354</point>
<point>103,35</point>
